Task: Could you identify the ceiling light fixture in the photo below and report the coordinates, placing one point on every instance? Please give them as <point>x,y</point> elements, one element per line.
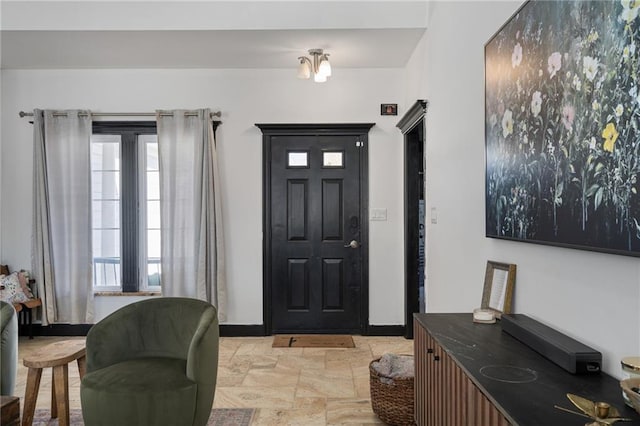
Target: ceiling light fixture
<point>319,66</point>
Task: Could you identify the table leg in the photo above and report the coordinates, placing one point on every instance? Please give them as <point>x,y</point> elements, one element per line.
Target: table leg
<point>31,395</point>
<point>61,382</point>
<point>54,403</point>
<point>82,366</point>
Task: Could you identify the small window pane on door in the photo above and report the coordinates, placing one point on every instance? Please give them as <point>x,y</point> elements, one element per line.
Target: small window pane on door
<point>298,159</point>
<point>332,159</point>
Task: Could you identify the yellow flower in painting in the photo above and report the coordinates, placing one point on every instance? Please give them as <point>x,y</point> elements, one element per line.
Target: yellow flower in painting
<point>610,135</point>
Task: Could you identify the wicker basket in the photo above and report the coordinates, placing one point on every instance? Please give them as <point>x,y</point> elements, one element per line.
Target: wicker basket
<point>634,397</point>
<point>392,402</point>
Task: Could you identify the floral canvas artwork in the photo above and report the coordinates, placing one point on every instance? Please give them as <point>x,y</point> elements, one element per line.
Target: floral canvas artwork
<point>562,126</point>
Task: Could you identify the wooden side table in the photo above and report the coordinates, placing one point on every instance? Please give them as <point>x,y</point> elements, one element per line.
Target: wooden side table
<point>57,355</point>
<point>10,410</point>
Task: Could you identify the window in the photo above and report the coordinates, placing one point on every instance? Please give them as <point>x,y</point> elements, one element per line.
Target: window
<point>125,194</point>
<point>332,159</point>
<point>298,159</point>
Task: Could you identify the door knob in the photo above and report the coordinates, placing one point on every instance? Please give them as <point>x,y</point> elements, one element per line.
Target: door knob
<point>353,244</point>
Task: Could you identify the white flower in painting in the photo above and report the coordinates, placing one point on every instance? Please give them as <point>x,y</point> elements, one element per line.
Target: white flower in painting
<point>493,120</point>
<point>619,110</point>
<point>589,67</point>
<point>516,56</point>
<point>630,10</point>
<point>592,142</point>
<point>550,148</point>
<point>507,123</point>
<point>595,105</point>
<point>536,103</point>
<point>576,82</point>
<point>593,36</point>
<point>568,115</point>
<point>540,73</point>
<point>554,63</point>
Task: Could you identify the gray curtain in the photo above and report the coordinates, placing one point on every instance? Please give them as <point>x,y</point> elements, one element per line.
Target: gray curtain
<point>61,245</point>
<point>192,250</point>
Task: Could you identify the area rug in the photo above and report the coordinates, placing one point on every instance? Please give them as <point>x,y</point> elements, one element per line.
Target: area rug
<point>219,417</point>
<point>313,341</point>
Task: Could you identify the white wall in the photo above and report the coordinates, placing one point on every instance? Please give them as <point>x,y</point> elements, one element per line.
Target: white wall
<point>245,97</point>
<point>592,297</point>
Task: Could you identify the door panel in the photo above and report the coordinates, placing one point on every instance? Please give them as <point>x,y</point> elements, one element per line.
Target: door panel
<point>316,278</point>
<point>297,209</point>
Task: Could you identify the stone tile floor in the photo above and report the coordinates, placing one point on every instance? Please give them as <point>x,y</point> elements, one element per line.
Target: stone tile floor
<point>287,386</point>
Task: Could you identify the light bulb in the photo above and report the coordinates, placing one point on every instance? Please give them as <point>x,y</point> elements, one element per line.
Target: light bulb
<point>325,66</point>
<point>319,77</point>
<point>304,69</point>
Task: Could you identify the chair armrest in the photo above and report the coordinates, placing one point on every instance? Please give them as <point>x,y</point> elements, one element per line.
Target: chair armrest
<point>202,358</point>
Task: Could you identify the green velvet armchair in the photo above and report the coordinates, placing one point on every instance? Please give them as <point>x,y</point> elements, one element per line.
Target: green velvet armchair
<point>153,362</point>
<point>8,348</point>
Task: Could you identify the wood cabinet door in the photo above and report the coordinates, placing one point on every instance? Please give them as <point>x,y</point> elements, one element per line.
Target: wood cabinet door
<point>444,395</point>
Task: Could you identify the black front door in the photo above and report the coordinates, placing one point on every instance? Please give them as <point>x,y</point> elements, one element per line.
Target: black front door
<point>315,253</point>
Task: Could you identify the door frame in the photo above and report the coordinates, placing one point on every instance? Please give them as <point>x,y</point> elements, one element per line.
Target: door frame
<point>413,118</point>
<point>310,129</point>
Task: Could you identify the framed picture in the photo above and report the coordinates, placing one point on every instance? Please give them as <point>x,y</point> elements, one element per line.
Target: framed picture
<point>388,109</point>
<point>497,293</point>
<point>562,126</point>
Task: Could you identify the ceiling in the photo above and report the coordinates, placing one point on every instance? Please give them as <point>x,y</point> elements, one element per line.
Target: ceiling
<point>56,34</point>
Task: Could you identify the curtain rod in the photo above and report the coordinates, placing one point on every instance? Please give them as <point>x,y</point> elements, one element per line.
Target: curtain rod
<point>23,114</point>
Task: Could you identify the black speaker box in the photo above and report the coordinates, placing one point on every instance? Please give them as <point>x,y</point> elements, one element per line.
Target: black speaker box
<point>568,353</point>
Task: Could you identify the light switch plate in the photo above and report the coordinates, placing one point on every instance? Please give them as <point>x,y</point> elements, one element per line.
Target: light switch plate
<point>378,214</point>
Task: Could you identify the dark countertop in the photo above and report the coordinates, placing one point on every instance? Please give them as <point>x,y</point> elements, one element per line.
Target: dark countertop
<point>531,384</point>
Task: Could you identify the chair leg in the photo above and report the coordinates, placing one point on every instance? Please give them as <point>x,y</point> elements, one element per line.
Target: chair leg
<point>61,383</point>
<point>30,322</point>
<point>31,395</point>
<point>21,321</point>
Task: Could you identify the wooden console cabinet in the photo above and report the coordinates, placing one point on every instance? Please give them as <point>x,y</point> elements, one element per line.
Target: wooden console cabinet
<point>470,374</point>
<point>443,390</point>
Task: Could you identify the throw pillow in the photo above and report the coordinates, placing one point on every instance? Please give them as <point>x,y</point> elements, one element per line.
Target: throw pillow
<point>24,284</point>
<point>12,291</point>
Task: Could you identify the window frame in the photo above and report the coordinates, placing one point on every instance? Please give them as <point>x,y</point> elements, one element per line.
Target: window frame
<point>131,257</point>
